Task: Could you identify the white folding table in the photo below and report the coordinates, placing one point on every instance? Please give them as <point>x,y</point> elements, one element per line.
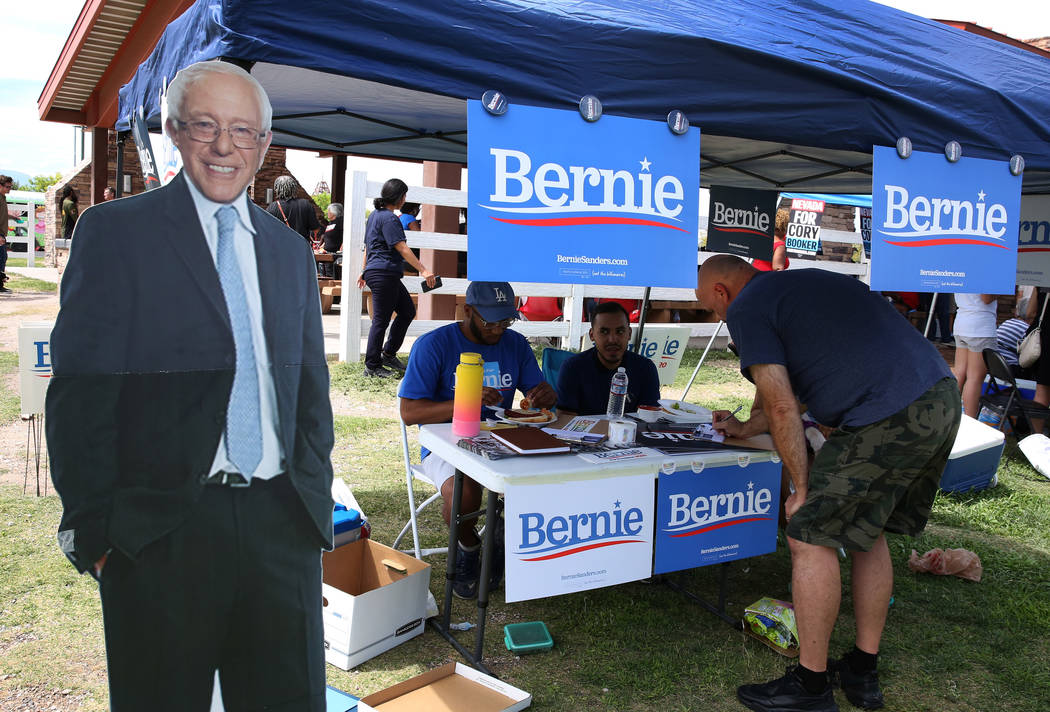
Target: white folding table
<point>495,475</point>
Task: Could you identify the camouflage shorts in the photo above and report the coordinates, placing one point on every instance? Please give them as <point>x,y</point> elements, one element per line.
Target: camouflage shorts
<point>880,477</point>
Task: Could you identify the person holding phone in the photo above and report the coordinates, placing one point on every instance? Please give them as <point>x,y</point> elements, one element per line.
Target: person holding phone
<point>386,252</point>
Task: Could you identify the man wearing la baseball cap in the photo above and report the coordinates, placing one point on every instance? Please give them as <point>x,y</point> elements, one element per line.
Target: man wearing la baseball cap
<point>426,397</point>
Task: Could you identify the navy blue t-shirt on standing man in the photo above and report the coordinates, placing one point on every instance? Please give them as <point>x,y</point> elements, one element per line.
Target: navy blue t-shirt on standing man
<point>852,358</point>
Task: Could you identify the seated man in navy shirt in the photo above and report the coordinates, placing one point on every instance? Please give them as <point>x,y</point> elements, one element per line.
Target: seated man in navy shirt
<point>427,391</point>
<point>583,382</point>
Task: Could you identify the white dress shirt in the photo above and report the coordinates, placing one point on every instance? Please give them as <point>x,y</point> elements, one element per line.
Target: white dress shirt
<point>244,245</point>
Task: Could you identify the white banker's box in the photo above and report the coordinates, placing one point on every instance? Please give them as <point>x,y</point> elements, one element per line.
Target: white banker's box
<point>374,598</point>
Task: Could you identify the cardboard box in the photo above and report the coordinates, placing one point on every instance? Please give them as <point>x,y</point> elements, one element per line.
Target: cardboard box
<point>369,606</point>
<point>454,687</point>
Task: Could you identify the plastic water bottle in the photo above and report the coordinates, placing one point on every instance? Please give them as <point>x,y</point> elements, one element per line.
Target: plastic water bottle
<point>617,394</point>
<point>466,404</point>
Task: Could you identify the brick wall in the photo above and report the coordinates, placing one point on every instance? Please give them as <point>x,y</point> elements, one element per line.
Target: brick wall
<point>80,179</point>
<point>838,217</point>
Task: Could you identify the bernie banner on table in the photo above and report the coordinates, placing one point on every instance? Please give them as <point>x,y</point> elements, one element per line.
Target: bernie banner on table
<point>1033,242</point>
<point>553,198</point>
<point>708,515</point>
<point>740,222</point>
<point>939,226</point>
<point>803,230</point>
<point>573,536</point>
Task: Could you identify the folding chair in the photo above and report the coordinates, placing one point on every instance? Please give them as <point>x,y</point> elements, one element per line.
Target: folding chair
<point>551,362</point>
<point>540,309</point>
<point>412,472</point>
<point>1007,395</point>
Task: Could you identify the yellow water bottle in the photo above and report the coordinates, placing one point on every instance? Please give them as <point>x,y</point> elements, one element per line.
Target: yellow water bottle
<point>466,404</point>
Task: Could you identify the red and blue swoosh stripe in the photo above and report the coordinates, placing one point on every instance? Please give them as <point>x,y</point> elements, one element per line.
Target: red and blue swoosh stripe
<point>585,547</point>
<point>720,525</point>
<point>585,220</point>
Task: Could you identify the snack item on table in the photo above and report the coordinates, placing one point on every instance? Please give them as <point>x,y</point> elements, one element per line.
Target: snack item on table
<point>528,416</point>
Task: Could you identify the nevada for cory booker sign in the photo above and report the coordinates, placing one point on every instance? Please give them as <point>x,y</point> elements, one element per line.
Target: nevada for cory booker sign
<point>938,226</point>
<point>554,198</point>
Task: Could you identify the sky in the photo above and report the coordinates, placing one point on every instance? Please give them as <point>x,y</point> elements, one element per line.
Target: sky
<point>34,39</point>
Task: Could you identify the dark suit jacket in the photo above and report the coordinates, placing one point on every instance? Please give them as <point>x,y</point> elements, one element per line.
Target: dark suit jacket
<point>142,353</point>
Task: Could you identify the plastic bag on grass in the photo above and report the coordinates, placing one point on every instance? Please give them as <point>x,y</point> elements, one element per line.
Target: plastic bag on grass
<point>773,622</point>
<point>947,562</point>
<point>1037,449</point>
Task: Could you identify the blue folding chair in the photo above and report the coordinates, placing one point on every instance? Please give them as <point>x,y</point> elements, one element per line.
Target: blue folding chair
<point>551,362</point>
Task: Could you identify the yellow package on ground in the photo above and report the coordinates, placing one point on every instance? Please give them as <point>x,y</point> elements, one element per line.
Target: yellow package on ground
<point>773,622</point>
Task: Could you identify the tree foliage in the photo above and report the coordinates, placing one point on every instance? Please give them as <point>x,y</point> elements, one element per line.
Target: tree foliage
<point>38,184</point>
<point>323,200</point>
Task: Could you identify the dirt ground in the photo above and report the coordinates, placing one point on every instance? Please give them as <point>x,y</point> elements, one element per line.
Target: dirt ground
<point>15,308</point>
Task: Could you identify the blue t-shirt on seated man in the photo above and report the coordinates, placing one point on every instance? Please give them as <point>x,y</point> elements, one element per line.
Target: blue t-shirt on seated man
<point>427,392</point>
<point>584,380</point>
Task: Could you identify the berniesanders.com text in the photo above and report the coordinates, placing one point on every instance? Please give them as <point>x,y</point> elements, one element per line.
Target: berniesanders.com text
<point>582,574</point>
<point>585,260</point>
<point>940,273</point>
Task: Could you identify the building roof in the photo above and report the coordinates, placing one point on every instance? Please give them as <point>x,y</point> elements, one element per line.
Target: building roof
<point>104,48</point>
<point>1037,46</point>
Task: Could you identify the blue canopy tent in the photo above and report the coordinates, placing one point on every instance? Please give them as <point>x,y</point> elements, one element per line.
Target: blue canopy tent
<point>789,94</point>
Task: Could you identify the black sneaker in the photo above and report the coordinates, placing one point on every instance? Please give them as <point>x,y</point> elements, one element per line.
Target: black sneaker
<point>4,289</point>
<point>786,694</point>
<point>861,688</point>
<point>393,362</point>
<point>498,552</point>
<point>378,373</point>
<point>465,575</point>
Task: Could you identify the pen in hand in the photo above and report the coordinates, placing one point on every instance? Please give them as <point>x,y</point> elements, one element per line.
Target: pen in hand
<point>738,409</point>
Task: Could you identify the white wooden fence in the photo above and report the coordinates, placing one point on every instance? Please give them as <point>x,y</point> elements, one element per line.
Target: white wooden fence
<point>30,254</point>
<point>570,331</point>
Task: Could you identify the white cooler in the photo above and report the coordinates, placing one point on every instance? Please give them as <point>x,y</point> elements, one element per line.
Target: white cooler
<point>974,459</point>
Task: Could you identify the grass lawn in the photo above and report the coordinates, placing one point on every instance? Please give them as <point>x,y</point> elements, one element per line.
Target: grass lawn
<point>21,283</point>
<point>949,645</point>
<point>22,261</point>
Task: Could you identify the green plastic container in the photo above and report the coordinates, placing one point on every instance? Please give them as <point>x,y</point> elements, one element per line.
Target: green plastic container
<point>532,637</point>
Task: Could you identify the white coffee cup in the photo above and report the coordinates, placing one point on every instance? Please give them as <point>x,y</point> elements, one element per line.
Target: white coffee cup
<point>649,415</point>
<point>622,432</point>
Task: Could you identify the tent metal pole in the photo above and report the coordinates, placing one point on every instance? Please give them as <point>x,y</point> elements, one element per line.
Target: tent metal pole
<point>700,363</point>
<point>641,319</point>
<point>118,186</point>
<point>929,317</point>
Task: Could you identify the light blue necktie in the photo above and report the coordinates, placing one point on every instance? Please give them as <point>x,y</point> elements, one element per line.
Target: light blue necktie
<point>243,426</point>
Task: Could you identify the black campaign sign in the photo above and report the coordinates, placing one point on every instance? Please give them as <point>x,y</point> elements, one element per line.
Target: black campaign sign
<point>865,230</point>
<point>740,222</point>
